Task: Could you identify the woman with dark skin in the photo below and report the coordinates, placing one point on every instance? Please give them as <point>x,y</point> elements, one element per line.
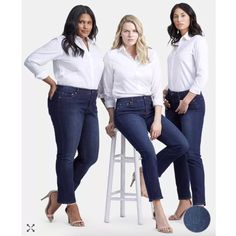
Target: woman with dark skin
<point>78,67</point>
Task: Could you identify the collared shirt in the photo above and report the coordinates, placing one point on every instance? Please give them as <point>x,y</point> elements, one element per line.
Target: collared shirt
<point>124,76</point>
<point>188,65</point>
<point>69,70</point>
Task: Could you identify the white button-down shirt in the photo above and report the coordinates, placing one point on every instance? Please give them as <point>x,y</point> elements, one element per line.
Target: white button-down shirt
<point>188,65</point>
<point>76,71</point>
<point>124,76</point>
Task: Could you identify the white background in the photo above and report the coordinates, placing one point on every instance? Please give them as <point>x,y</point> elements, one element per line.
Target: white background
<point>11,118</point>
<point>43,20</point>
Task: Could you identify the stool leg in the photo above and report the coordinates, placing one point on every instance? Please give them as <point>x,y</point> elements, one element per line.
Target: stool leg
<point>122,177</point>
<point>110,180</point>
<point>137,186</point>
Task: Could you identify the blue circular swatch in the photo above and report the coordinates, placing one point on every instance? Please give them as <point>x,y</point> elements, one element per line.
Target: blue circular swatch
<point>197,219</point>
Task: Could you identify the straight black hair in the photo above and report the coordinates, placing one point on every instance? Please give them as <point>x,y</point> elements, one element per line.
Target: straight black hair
<point>70,29</point>
<point>194,27</point>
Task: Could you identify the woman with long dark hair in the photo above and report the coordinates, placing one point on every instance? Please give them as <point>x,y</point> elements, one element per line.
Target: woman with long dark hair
<point>185,106</point>
<point>133,97</point>
<point>78,66</point>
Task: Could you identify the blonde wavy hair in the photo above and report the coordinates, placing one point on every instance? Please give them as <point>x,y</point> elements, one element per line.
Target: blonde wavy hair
<point>141,46</point>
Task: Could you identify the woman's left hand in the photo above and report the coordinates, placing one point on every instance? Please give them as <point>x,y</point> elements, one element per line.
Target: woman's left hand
<point>155,130</point>
<point>110,129</point>
<point>182,108</point>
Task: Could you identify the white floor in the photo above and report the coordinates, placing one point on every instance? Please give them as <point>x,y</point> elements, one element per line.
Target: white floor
<point>95,225</point>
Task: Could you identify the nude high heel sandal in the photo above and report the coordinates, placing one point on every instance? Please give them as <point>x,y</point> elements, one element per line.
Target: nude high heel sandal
<point>73,209</point>
<point>179,214</point>
<point>52,196</point>
<point>142,183</point>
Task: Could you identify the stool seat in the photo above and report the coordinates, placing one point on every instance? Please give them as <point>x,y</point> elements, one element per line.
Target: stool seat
<point>121,195</point>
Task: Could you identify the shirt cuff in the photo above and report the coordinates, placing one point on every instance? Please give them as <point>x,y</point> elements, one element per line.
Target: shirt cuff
<point>195,91</point>
<point>42,75</point>
<point>100,95</point>
<point>109,102</point>
<point>157,102</point>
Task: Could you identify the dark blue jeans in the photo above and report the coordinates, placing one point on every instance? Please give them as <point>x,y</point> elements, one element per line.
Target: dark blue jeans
<point>134,117</point>
<point>74,116</point>
<point>189,168</point>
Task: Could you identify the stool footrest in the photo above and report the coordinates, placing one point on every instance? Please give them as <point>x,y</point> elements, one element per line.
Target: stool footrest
<point>118,155</point>
<point>126,194</point>
<point>123,199</point>
<point>126,159</point>
<point>130,194</point>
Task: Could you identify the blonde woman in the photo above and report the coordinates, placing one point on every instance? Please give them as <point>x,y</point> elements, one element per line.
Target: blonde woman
<point>133,97</point>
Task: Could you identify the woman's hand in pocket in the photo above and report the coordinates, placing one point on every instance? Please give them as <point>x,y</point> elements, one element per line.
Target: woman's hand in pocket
<point>52,90</point>
<point>183,107</point>
<point>53,86</point>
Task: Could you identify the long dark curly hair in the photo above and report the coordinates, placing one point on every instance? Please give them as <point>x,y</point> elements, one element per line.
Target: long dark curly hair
<point>194,27</point>
<point>70,29</point>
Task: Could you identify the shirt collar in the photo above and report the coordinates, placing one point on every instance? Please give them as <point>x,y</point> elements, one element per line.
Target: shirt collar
<point>123,50</point>
<point>186,36</point>
<point>78,38</point>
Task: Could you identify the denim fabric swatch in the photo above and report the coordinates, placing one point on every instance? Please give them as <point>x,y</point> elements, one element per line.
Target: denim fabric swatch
<point>197,219</point>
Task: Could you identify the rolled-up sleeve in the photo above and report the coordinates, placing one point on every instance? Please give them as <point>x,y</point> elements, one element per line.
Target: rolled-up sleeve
<point>156,87</point>
<point>37,60</point>
<point>101,89</point>
<point>108,81</point>
<point>201,61</point>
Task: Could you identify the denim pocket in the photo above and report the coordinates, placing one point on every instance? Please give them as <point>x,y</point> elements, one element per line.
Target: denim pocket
<point>130,107</point>
<point>65,94</point>
<point>119,105</point>
<point>123,104</point>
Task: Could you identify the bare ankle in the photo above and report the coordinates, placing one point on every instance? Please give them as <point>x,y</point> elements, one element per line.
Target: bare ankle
<point>162,224</point>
